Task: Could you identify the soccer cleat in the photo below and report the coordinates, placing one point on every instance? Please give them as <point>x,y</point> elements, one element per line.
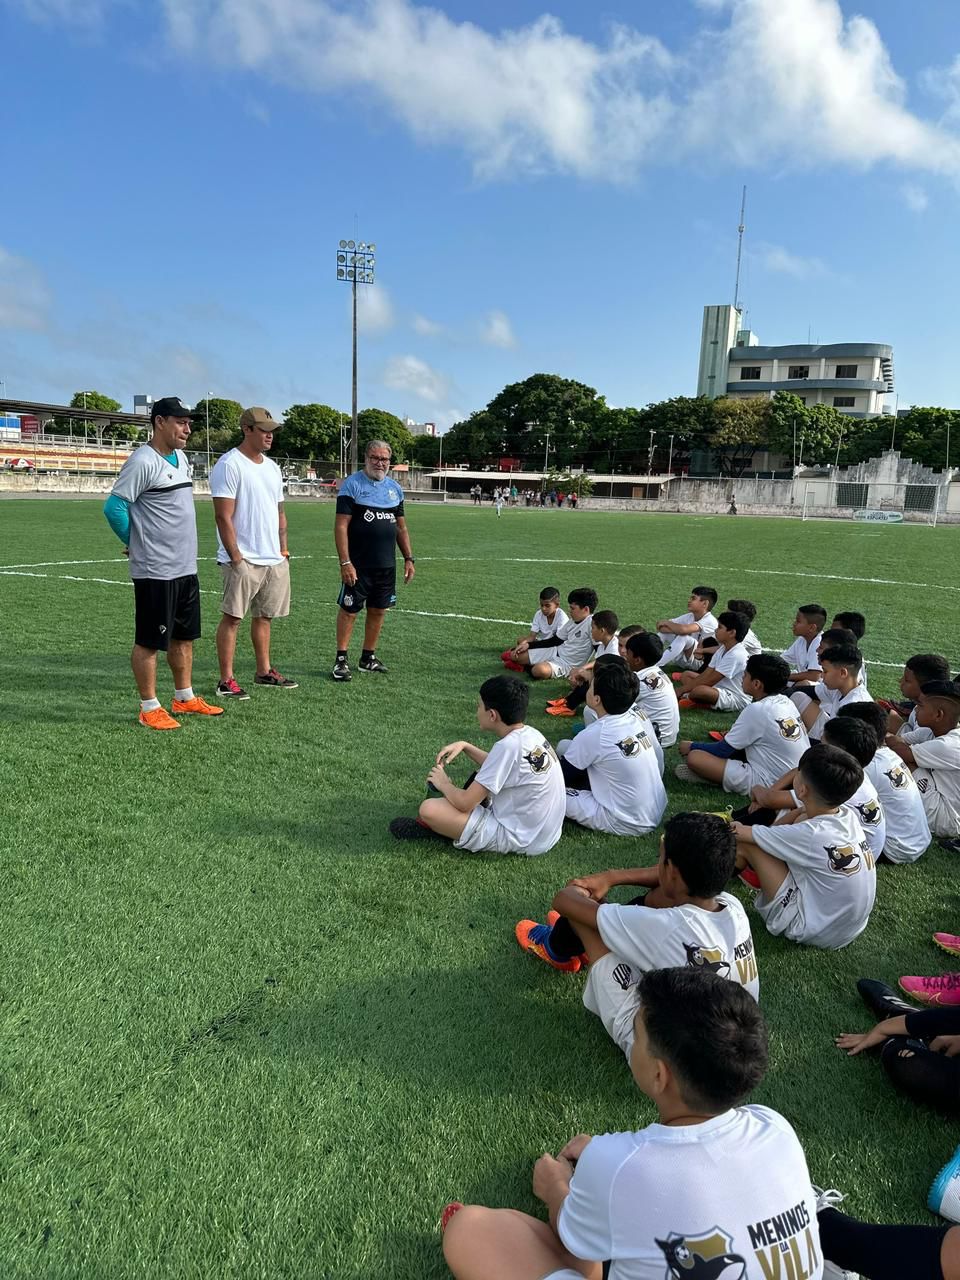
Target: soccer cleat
<point>943,991</point>
<point>716,735</point>
<point>831,1199</point>
<point>951,846</point>
<point>341,670</point>
<point>561,710</point>
<point>686,703</point>
<point>413,829</point>
<point>882,1001</point>
<point>944,1195</point>
<point>275,680</point>
<point>676,676</point>
<point>448,1211</point>
<point>685,773</point>
<point>557,702</point>
<point>750,877</point>
<point>230,689</point>
<point>195,707</point>
<point>552,918</point>
<point>513,666</point>
<point>158,719</point>
<point>532,937</point>
<point>507,655</point>
<point>948,942</point>
<point>372,664</point>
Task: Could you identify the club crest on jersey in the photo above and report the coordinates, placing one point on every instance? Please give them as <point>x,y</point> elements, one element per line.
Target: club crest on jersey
<point>703,1257</point>
<point>539,758</point>
<point>348,601</point>
<point>631,747</point>
<point>843,858</point>
<point>871,815</point>
<point>789,729</point>
<point>623,976</point>
<point>653,682</point>
<point>709,958</point>
<point>897,776</point>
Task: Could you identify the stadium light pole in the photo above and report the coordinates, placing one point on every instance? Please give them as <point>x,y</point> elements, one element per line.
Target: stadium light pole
<point>670,459</point>
<point>355,263</point>
<point>207,406</point>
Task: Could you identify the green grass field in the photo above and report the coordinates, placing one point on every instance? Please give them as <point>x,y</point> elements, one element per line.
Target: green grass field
<point>244,1032</point>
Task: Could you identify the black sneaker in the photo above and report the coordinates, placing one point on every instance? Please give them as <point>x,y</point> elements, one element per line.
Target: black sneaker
<point>372,664</point>
<point>413,829</point>
<point>230,689</point>
<point>882,1001</point>
<point>275,680</point>
<point>341,670</point>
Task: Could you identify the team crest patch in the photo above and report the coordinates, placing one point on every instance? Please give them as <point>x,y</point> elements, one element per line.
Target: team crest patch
<point>539,758</point>
<point>871,815</point>
<point>789,729</point>
<point>631,747</point>
<point>348,601</point>
<point>623,976</point>
<point>897,776</point>
<point>843,858</point>
<point>369,516</point>
<point>653,682</point>
<point>704,1257</point>
<point>709,958</point>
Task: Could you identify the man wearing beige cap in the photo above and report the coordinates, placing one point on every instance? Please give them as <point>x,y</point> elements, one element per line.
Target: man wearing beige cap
<point>247,490</point>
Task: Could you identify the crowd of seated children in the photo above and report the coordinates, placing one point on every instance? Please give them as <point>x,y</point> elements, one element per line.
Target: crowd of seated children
<point>604,637</point>
<point>802,654</point>
<point>908,832</point>
<point>547,621</point>
<point>935,760</point>
<point>682,634</point>
<point>643,653</point>
<point>720,683</point>
<point>570,647</point>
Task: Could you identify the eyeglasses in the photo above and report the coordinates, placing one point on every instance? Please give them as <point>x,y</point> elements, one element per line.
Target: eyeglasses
<point>378,457</point>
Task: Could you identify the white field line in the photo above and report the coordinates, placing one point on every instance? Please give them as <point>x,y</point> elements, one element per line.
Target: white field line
<point>11,572</point>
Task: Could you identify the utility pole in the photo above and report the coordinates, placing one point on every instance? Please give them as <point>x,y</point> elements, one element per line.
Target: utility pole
<point>740,230</point>
<point>355,263</point>
<point>670,461</point>
<point>546,453</point>
<point>207,405</point>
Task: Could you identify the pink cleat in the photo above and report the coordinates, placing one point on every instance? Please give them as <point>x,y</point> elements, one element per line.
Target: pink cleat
<point>948,942</point>
<point>943,990</point>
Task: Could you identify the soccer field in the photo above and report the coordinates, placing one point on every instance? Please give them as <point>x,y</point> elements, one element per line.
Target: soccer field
<point>247,1034</point>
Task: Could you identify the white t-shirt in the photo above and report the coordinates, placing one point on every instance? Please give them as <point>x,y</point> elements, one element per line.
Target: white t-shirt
<point>577,641</point>
<point>869,812</point>
<point>257,490</point>
<point>834,875</point>
<point>751,642</point>
<point>612,646</point>
<point>938,761</point>
<point>543,629</point>
<point>772,735</point>
<point>671,1200</point>
<point>670,937</point>
<point>802,654</point>
<point>707,627</point>
<point>658,700</point>
<point>527,792</point>
<point>911,732</point>
<point>731,663</point>
<point>618,754</point>
<point>908,832</point>
<point>830,703</point>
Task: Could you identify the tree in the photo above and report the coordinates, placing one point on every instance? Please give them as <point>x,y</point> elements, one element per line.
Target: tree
<point>224,425</point>
<point>378,424</point>
<point>688,419</point>
<point>741,427</point>
<point>545,416</point>
<point>311,431</point>
<point>100,430</point>
<point>426,451</point>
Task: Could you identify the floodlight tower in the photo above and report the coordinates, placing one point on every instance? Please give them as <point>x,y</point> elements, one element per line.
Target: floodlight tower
<point>355,263</point>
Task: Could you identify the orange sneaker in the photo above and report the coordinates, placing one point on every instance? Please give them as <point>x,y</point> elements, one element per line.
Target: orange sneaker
<point>685,704</point>
<point>532,937</point>
<point>561,710</point>
<point>195,706</point>
<point>158,719</point>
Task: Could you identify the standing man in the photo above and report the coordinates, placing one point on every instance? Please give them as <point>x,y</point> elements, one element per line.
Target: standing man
<point>247,490</point>
<point>368,528</point>
<point>151,511</point>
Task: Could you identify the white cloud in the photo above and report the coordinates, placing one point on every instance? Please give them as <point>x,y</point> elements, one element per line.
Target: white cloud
<point>410,373</point>
<point>496,330</point>
<point>426,328</point>
<point>374,309</point>
<point>944,83</point>
<point>914,197</point>
<point>24,299</point>
<point>773,257</point>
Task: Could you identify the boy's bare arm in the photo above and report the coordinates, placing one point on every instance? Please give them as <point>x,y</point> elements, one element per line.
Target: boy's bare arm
<point>902,749</point>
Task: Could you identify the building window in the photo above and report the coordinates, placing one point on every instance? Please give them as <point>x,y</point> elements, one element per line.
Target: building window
<point>750,371</point>
<point>799,371</point>
<point>846,371</point>
<point>844,402</point>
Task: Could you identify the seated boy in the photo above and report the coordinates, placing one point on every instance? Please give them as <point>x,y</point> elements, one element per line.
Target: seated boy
<point>514,802</point>
<point>817,875</point>
<point>643,724</point>
<point>765,741</point>
<point>570,647</point>
<point>713,1190</point>
<point>603,635</point>
<point>720,684</point>
<point>657,696</point>
<point>918,671</point>
<point>936,761</point>
<point>610,768</point>
<point>841,686</point>
<point>681,635</point>
<point>802,654</point>
<point>851,620</point>
<point>547,621</point>
<point>751,641</point>
<point>860,741</point>
<point>908,832</point>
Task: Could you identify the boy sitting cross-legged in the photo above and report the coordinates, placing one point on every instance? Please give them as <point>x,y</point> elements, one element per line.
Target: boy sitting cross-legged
<point>603,636</point>
<point>720,684</point>
<point>657,697</point>
<point>751,641</point>
<point>908,832</point>
<point>514,802</point>
<point>936,761</point>
<point>570,647</point>
<point>546,622</point>
<point>681,635</point>
<point>802,654</point>
<point>765,741</point>
<point>713,1189</point>
<point>839,686</point>
<point>817,875</point>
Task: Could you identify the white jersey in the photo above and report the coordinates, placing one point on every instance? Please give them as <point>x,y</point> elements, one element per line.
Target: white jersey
<point>731,664</point>
<point>802,654</point>
<point>575,641</point>
<point>611,646</point>
<point>832,881</point>
<point>938,771</point>
<point>707,626</point>
<point>730,1198</point>
<point>908,832</point>
<point>751,642</point>
<point>670,937</point>
<point>543,629</point>
<point>658,700</point>
<point>911,732</point>
<point>869,813</point>
<point>257,491</point>
<point>619,756</point>
<point>772,735</point>
<point>522,774</point>
<point>831,702</point>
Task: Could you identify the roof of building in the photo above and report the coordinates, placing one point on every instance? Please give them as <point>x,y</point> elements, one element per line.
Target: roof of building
<point>832,351</point>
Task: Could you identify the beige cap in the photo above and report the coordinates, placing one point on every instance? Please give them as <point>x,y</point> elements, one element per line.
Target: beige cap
<point>258,417</point>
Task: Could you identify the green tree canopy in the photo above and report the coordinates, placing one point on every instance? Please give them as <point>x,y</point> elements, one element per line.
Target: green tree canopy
<point>224,418</point>
<point>100,431</point>
<point>741,426</point>
<point>378,424</point>
<point>310,431</point>
<point>426,451</point>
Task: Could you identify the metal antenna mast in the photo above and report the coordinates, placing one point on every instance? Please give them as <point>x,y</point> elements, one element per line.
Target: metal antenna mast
<point>740,231</point>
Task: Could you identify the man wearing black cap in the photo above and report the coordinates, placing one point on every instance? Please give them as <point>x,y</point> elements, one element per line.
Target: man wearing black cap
<point>151,510</point>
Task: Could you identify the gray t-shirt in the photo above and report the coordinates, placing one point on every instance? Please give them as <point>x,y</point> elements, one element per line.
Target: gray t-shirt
<point>163,522</point>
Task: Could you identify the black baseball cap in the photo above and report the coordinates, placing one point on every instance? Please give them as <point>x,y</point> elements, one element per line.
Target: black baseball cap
<point>170,407</point>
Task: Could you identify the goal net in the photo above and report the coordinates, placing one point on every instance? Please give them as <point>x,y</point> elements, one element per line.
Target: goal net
<point>871,502</point>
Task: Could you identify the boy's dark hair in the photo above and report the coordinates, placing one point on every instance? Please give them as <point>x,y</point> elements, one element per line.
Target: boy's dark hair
<point>771,670</point>
<point>853,736</point>
<point>837,635</point>
<point>615,685</point>
<point>738,623</point>
<point>705,593</point>
<point>746,607</point>
<point>853,621</point>
<point>831,773</point>
<point>550,593</point>
<point>703,848</point>
<point>843,655</point>
<point>709,1031</point>
<point>506,695</point>
<point>813,613</point>
<point>946,692</point>
<point>585,597</point>
<point>647,646</point>
<point>928,666</point>
<point>606,620</point>
<point>634,629</point>
<point>870,713</point>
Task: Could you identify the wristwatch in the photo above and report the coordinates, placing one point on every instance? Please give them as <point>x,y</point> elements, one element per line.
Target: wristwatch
<point>409,560</point>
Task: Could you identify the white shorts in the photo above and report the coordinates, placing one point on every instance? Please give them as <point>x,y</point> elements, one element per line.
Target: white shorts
<point>565,1273</point>
<point>611,993</point>
<point>731,700</point>
<point>739,777</point>
<point>484,834</point>
<point>941,817</point>
<point>584,807</point>
<point>784,915</point>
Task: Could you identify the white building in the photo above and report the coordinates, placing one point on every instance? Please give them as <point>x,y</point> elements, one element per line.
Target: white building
<point>854,377</point>
<point>420,428</point>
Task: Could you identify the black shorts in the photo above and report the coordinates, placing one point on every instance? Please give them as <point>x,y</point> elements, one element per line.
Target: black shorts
<point>374,588</point>
<point>166,609</point>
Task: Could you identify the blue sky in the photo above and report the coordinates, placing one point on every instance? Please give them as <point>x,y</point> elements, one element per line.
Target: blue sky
<point>549,190</point>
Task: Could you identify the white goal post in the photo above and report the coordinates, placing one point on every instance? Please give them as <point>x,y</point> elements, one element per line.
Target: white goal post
<point>871,502</point>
